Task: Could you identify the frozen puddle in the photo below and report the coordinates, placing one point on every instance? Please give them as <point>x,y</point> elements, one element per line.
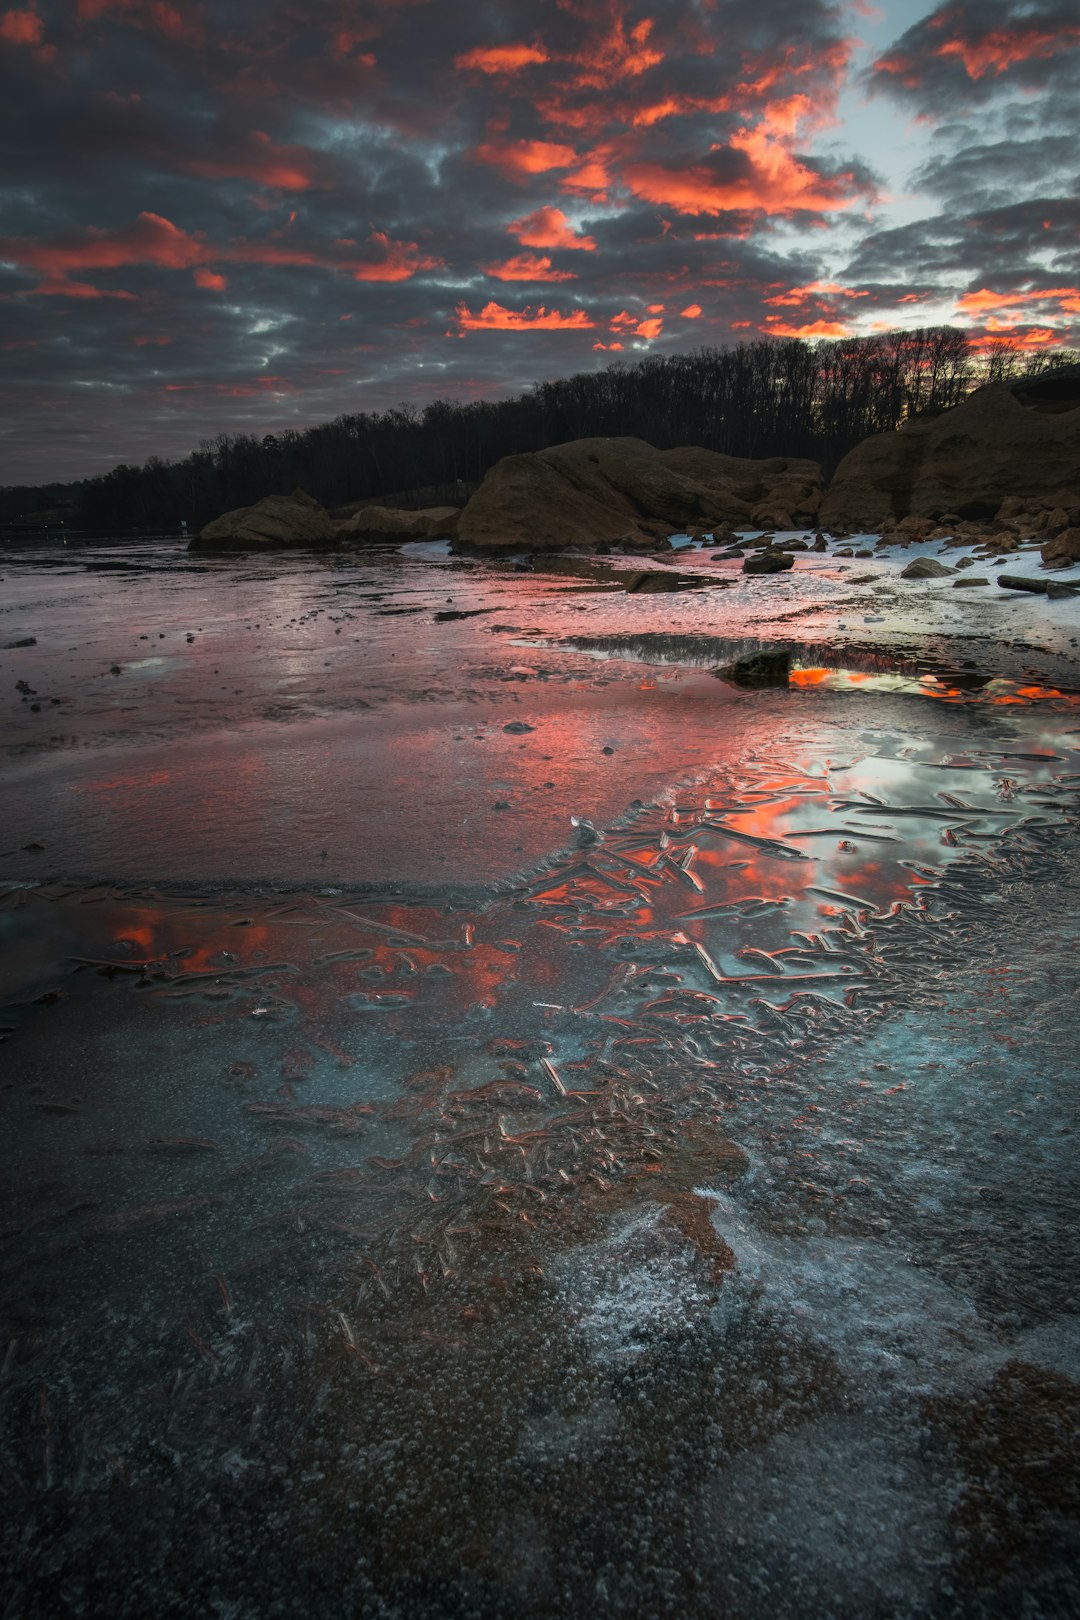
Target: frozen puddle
<point>686,1224</point>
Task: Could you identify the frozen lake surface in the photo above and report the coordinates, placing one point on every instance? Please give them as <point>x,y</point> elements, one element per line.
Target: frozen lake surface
<point>501,1122</point>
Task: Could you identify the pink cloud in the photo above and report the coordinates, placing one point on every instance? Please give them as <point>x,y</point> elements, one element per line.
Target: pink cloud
<point>516,158</point>
<point>21,28</point>
<point>495,318</point>
<point>528,267</point>
<point>501,58</point>
<point>258,158</point>
<point>549,228</point>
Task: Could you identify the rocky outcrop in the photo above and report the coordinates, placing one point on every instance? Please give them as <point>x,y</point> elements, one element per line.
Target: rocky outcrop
<point>997,445</point>
<point>276,523</point>
<point>387,525</point>
<point>622,492</point>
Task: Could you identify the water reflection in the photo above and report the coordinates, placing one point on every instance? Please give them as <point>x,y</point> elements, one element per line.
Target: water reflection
<point>387,1238</point>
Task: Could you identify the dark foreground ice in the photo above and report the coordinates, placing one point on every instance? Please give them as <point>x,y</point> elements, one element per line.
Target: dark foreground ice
<point>669,1211</point>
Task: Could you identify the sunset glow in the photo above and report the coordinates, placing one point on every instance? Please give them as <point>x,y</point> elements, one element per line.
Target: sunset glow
<point>399,167</point>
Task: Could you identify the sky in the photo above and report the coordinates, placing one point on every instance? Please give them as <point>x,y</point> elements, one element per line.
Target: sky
<point>246,215</point>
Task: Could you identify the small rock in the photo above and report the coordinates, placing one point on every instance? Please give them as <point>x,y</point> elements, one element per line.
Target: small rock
<point>587,834</point>
<point>925,568</point>
<point>517,727</point>
<point>959,584</point>
<point>768,562</point>
<point>768,667</point>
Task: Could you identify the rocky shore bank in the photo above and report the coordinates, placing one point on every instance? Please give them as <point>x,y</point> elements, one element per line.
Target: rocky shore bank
<point>999,471</point>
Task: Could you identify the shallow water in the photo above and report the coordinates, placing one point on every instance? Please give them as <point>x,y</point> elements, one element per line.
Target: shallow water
<point>671,1210</point>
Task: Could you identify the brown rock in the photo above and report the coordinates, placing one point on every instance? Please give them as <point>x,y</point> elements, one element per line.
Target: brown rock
<point>276,523</point>
<point>374,525</point>
<point>772,517</point>
<point>968,459</point>
<point>768,562</point>
<point>592,491</point>
<point>999,545</point>
<point>925,568</point>
<point>1063,549</point>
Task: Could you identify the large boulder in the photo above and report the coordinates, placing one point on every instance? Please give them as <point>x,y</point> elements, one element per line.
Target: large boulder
<point>275,523</point>
<point>620,492</point>
<point>380,525</point>
<point>967,461</point>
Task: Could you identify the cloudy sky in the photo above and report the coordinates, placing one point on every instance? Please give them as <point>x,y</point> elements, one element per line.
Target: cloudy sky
<point>228,215</point>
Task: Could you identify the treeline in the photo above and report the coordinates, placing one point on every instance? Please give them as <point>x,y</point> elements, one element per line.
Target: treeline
<point>768,397</point>
<point>26,500</point>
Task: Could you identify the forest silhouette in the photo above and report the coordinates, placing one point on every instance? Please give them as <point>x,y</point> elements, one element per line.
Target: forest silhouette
<point>760,398</point>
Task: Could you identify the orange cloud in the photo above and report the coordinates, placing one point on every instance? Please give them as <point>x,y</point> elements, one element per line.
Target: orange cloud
<point>549,228</point>
<point>345,40</point>
<point>674,106</point>
<point>152,240</point>
<point>501,58</point>
<point>795,296</point>
<point>1001,48</point>
<point>493,317</point>
<point>159,14</point>
<point>528,267</point>
<point>608,347</point>
<point>692,312</point>
<point>814,329</point>
<point>516,158</point>
<point>21,28</point>
<point>393,261</point>
<point>634,326</point>
<point>149,240</point>
<point>617,53</point>
<point>289,168</point>
<point>1012,303</point>
<point>776,183</point>
<point>591,180</point>
<point>61,287</point>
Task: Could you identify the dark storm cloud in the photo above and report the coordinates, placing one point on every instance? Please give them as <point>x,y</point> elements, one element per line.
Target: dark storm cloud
<point>998,170</point>
<point>988,244</point>
<point>968,52</point>
<point>252,214</point>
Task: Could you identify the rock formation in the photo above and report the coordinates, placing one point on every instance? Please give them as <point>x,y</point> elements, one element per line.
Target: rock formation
<point>275,523</point>
<point>376,525</point>
<point>1001,445</point>
<point>622,492</point>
